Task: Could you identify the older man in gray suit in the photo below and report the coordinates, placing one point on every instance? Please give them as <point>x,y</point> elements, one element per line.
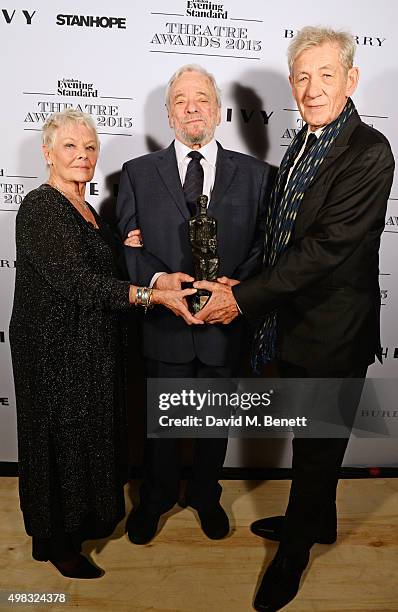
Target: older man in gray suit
<point>158,194</point>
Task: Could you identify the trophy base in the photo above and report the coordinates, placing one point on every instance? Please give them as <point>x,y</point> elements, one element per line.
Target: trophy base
<point>199,300</point>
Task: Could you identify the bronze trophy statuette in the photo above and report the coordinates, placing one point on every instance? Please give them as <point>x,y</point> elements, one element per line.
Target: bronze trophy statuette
<point>203,239</point>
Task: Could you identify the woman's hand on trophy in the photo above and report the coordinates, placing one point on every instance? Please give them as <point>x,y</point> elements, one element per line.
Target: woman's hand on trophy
<point>176,302</point>
<point>221,307</point>
<point>134,239</point>
<point>172,281</point>
<point>230,282</point>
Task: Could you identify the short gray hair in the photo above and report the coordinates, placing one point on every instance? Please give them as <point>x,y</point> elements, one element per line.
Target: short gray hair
<point>311,36</point>
<point>192,68</point>
<point>65,117</point>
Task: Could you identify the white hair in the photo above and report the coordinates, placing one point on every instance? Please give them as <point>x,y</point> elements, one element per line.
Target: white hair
<point>65,117</point>
<point>311,36</point>
<point>192,68</point>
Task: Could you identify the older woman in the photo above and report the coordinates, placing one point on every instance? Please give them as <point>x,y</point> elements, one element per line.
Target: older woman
<point>67,342</point>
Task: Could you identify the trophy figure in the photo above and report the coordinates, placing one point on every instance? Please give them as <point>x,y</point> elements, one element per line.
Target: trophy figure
<point>203,239</point>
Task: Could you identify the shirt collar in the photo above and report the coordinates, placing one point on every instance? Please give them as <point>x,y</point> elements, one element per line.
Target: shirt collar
<point>317,132</point>
<point>209,151</point>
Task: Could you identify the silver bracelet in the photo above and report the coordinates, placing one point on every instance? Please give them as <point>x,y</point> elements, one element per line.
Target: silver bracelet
<point>144,297</point>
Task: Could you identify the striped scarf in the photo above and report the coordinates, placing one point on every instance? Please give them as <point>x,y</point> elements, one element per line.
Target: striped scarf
<point>282,213</point>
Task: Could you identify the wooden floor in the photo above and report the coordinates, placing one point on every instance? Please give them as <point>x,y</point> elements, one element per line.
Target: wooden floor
<point>183,571</point>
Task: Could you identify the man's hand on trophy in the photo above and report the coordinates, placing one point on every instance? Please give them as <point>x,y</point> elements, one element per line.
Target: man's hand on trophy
<point>221,307</point>
<point>172,281</point>
<point>230,282</point>
<point>134,239</point>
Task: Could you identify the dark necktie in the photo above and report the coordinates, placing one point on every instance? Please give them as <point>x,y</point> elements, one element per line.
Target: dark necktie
<point>193,184</point>
<point>311,140</point>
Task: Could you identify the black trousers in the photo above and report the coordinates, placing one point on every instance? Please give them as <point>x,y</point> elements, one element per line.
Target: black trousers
<point>316,464</point>
<point>162,460</point>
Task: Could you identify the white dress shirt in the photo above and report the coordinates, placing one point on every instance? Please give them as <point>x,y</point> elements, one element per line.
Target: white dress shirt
<point>208,163</point>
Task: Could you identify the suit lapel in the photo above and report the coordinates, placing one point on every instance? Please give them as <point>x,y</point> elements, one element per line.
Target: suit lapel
<point>308,208</point>
<point>167,167</point>
<point>225,170</point>
<point>166,163</point>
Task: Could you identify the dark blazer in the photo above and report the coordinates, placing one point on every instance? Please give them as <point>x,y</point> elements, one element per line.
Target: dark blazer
<point>325,286</point>
<point>151,198</point>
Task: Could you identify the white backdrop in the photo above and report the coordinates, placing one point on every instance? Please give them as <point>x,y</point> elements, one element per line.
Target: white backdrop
<point>114,59</point>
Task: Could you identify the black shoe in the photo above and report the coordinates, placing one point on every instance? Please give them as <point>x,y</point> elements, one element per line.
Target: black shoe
<point>78,567</point>
<point>271,528</point>
<point>280,582</point>
<point>142,525</point>
<point>214,522</point>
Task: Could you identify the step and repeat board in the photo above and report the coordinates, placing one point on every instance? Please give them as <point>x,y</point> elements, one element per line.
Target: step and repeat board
<point>113,60</point>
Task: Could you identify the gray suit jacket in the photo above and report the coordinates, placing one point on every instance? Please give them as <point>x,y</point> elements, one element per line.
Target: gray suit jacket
<point>151,198</point>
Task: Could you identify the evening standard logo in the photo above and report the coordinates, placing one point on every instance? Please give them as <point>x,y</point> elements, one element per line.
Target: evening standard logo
<point>205,36</point>
<point>83,96</point>
<point>180,35</point>
<point>362,40</point>
<point>91,21</point>
<point>206,9</point>
<point>75,87</point>
<point>104,115</point>
<point>4,401</point>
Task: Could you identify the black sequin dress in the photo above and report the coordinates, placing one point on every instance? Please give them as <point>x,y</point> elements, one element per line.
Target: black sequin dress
<point>67,351</point>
